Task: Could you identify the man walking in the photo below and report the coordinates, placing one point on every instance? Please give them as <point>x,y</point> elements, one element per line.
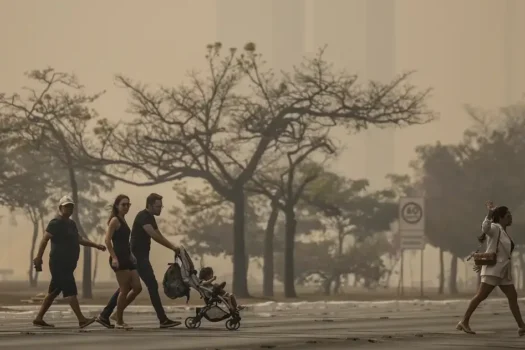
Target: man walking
<point>143,230</point>
<point>65,240</point>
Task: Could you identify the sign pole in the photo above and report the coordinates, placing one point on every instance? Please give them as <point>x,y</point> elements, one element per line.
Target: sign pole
<point>422,274</point>
<point>402,273</point>
<point>412,232</point>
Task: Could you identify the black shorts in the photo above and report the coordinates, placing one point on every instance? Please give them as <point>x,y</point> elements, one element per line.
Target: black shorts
<point>124,263</point>
<point>63,281</point>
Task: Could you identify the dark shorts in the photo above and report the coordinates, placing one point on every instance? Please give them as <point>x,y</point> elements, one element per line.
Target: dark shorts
<point>123,264</point>
<point>63,281</point>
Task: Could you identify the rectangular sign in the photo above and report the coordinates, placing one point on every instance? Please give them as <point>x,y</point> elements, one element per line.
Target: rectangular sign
<point>411,214</point>
<point>413,234</point>
<point>412,243</point>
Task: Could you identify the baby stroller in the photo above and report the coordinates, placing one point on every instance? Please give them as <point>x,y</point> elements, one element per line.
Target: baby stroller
<point>216,307</point>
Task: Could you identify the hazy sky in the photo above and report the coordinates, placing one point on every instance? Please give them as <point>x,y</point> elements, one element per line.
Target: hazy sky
<point>467,50</point>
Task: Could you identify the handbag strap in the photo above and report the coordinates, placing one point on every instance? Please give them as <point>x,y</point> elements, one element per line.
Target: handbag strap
<point>509,254</point>
<point>499,236</point>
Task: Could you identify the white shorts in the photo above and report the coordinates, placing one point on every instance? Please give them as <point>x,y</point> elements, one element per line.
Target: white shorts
<point>496,281</point>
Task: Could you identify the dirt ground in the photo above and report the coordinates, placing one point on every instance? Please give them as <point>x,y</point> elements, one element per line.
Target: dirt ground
<point>12,293</point>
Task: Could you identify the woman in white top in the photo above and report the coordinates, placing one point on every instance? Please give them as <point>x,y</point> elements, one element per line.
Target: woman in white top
<point>494,230</point>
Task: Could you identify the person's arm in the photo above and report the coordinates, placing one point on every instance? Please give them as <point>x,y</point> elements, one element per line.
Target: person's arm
<point>205,282</point>
<point>112,227</point>
<point>486,226</point>
<point>42,247</point>
<point>159,238</point>
<point>87,243</point>
<point>53,228</point>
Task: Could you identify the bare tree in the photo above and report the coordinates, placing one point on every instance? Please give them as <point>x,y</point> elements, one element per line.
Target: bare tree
<point>52,120</point>
<point>210,127</point>
<point>24,188</point>
<point>284,188</point>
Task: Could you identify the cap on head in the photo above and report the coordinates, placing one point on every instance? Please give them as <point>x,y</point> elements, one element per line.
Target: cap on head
<point>65,200</point>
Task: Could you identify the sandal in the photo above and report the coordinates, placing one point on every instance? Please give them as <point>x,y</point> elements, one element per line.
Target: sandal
<point>123,326</point>
<point>42,324</point>
<point>462,327</point>
<point>86,322</point>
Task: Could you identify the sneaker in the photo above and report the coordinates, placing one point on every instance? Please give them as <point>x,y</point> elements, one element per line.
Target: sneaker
<point>169,323</point>
<point>42,324</point>
<point>86,322</point>
<point>104,322</point>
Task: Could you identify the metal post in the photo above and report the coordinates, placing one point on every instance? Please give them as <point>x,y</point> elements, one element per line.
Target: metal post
<point>402,273</point>
<point>422,274</point>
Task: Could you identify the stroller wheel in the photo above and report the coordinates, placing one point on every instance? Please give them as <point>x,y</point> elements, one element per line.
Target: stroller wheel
<point>233,325</point>
<point>192,323</point>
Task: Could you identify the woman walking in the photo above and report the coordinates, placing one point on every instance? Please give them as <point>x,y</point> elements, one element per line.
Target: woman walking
<point>494,231</point>
<point>65,250</point>
<point>121,260</point>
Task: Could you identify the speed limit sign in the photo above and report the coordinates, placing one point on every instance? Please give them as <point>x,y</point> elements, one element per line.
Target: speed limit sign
<point>412,214</point>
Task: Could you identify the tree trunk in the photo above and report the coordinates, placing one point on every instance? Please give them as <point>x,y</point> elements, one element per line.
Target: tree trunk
<point>289,249</point>
<point>341,239</point>
<point>327,286</point>
<point>452,284</point>
<point>337,283</point>
<point>268,269</point>
<point>441,289</point>
<point>201,261</point>
<point>87,292</point>
<point>522,268</point>
<point>240,278</point>
<point>33,274</point>
<point>95,267</point>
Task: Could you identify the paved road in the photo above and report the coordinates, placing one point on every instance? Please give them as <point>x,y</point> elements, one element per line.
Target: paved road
<point>379,326</point>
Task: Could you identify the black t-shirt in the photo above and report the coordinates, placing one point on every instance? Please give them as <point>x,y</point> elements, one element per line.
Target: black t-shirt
<point>65,247</point>
<point>140,240</point>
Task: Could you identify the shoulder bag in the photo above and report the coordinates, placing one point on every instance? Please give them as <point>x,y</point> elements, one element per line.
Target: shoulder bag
<point>488,259</point>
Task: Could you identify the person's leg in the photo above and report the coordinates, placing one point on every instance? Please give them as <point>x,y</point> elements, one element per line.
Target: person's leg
<point>484,291</point>
<point>112,304</point>
<point>124,282</point>
<point>69,291</point>
<point>234,302</point>
<point>75,306</point>
<point>145,271</point>
<point>52,293</point>
<point>136,287</point>
<point>229,300</point>
<point>46,303</point>
<point>512,296</point>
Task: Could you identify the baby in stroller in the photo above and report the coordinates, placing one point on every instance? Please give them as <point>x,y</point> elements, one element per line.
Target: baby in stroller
<point>206,279</point>
<point>219,305</point>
